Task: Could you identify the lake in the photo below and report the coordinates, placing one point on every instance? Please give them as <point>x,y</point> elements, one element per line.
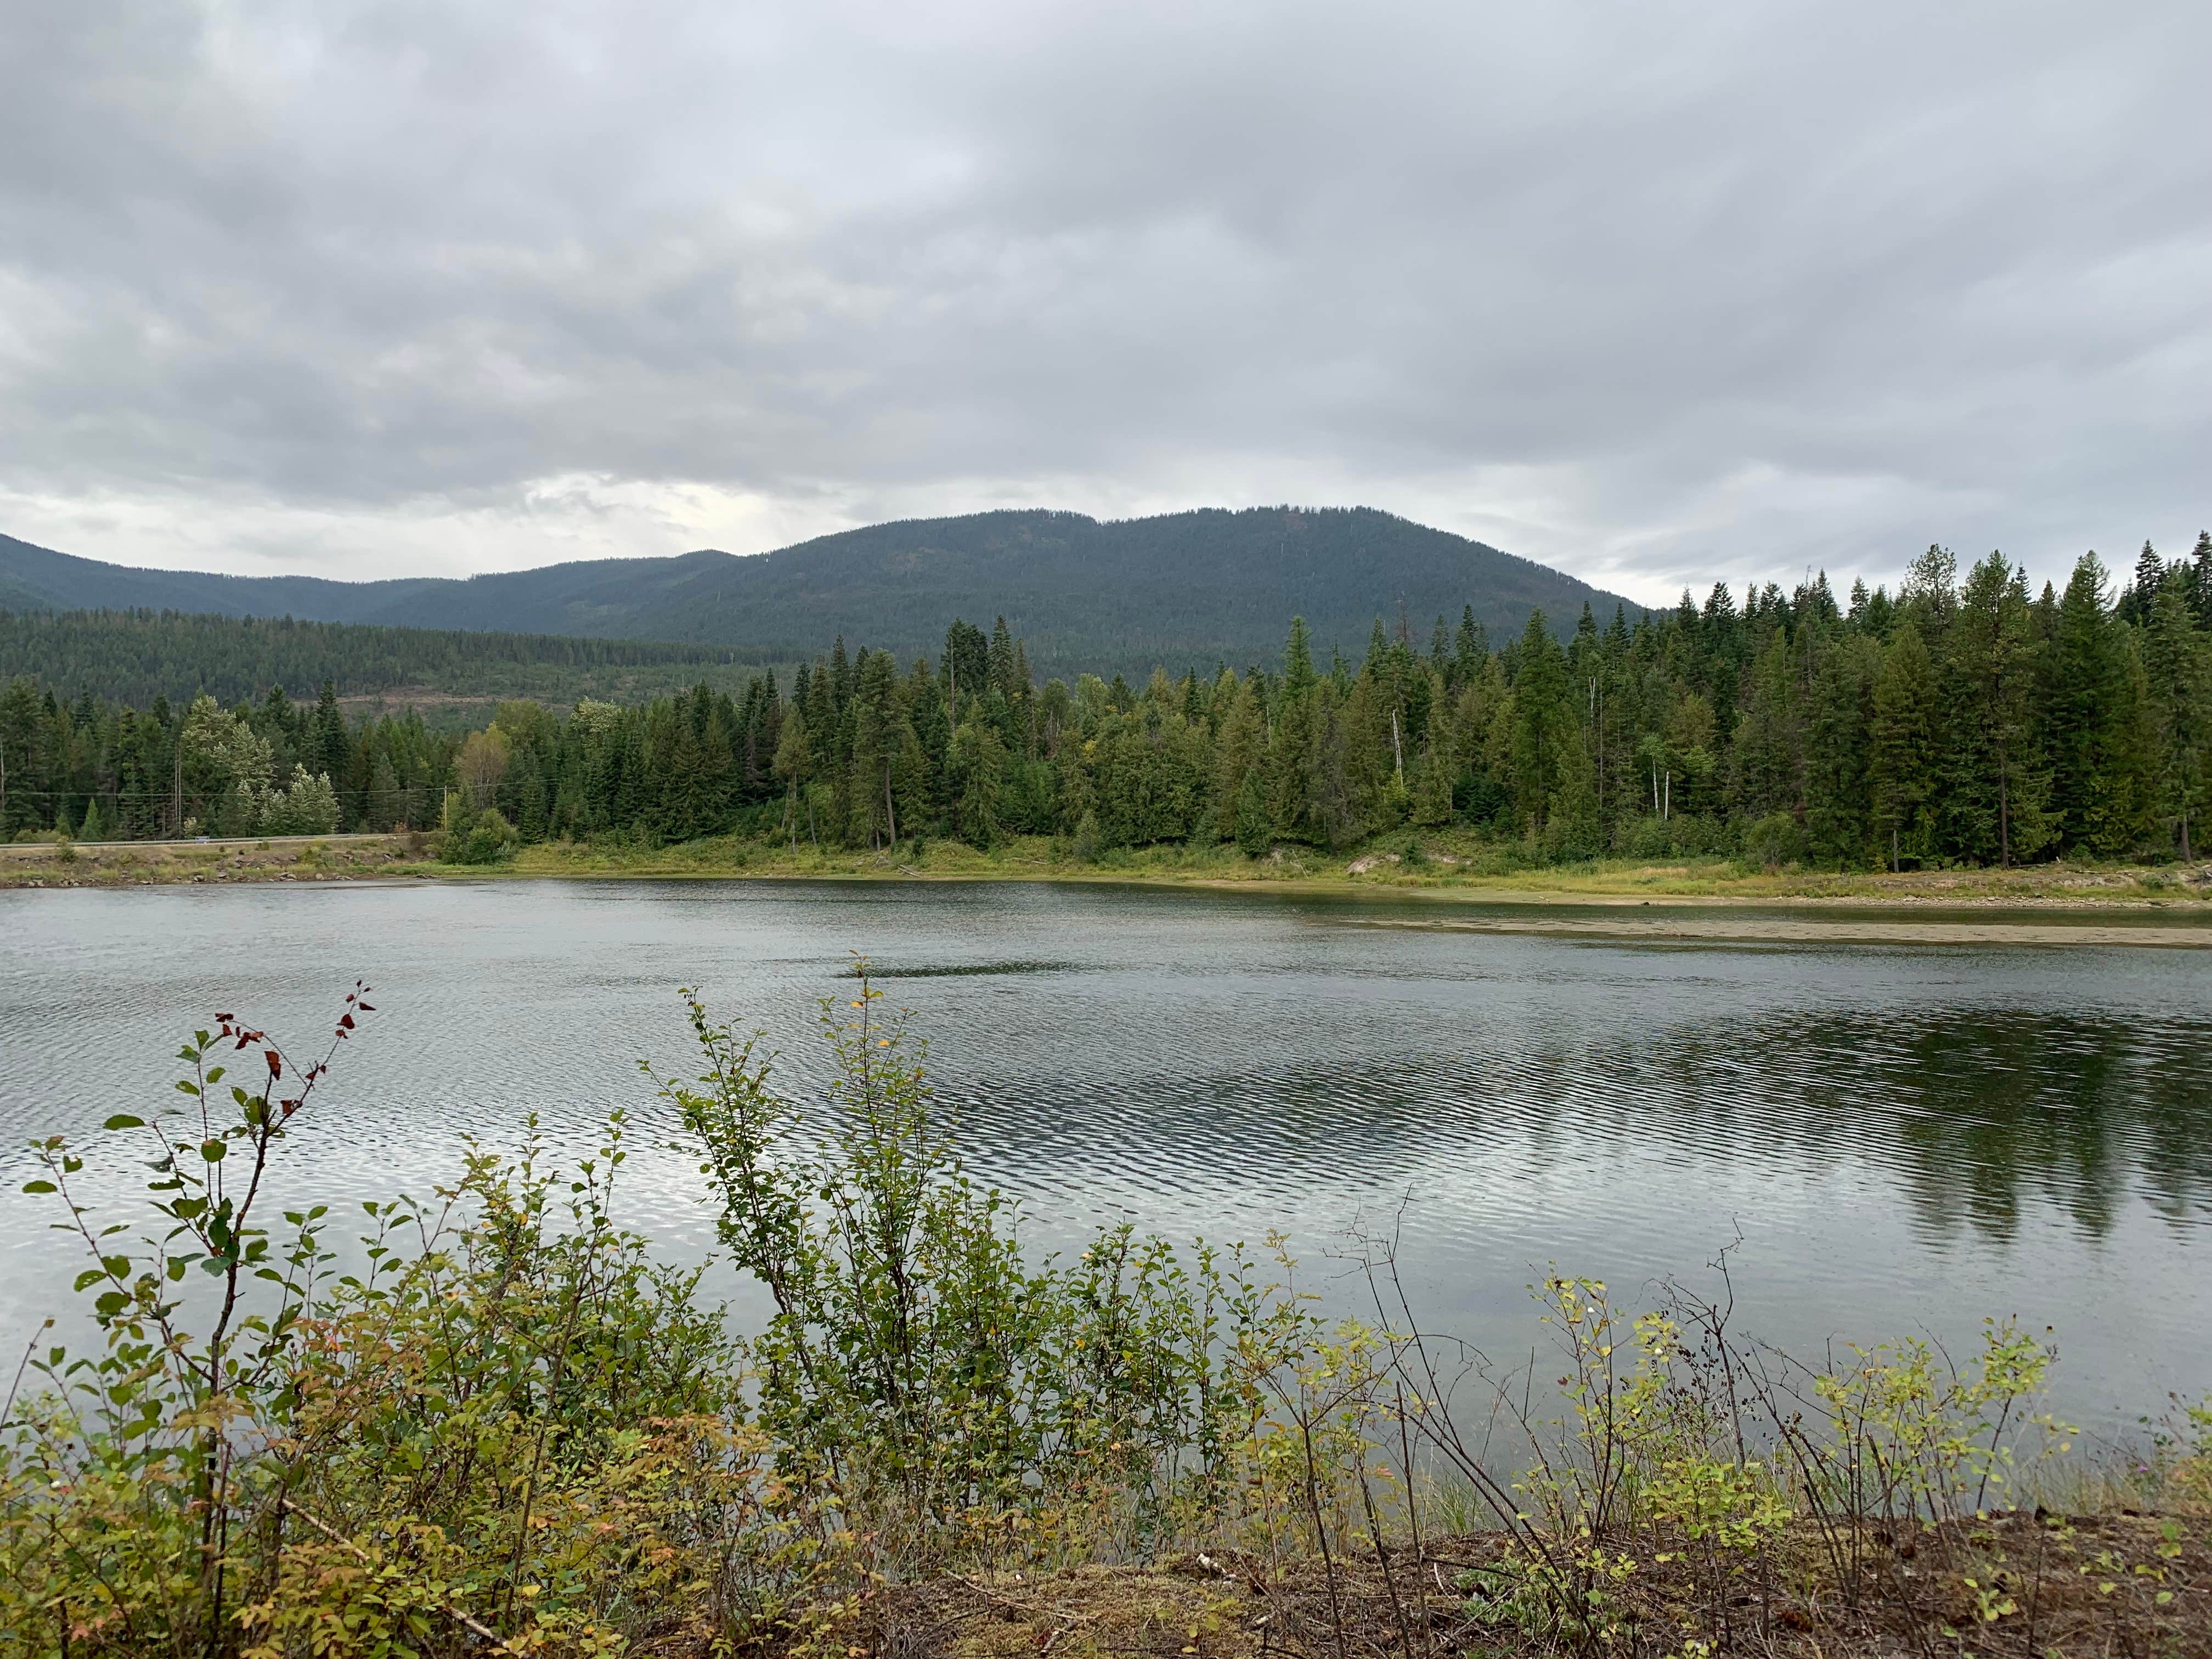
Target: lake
<point>1906,1137</point>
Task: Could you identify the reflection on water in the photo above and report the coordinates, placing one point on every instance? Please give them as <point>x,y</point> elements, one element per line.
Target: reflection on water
<point>1904,1137</point>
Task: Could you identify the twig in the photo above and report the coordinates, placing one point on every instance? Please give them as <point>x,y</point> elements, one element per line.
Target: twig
<point>8,1411</point>
<point>997,1600</point>
<point>337,1537</point>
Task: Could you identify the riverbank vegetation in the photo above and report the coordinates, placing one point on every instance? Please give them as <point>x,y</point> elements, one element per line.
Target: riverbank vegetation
<point>503,1423</point>
<point>1965,724</point>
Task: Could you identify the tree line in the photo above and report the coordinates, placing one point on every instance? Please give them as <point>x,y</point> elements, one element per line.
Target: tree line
<point>136,656</point>
<point>1966,720</point>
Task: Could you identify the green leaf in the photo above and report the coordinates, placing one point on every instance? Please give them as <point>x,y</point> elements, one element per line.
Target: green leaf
<point>88,1278</point>
<point>112,1304</point>
<point>40,1187</point>
<point>124,1120</point>
<point>212,1151</point>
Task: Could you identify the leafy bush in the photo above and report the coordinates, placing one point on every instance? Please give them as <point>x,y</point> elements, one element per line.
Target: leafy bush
<point>488,839</point>
<point>512,1427</point>
<point>916,1361</point>
<point>1773,841</point>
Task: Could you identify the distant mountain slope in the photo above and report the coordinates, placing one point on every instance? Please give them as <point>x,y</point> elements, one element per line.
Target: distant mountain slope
<point>136,656</point>
<point>1183,590</point>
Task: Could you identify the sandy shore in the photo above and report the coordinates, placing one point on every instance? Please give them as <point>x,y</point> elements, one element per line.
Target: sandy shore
<point>1811,930</point>
<point>2085,906</point>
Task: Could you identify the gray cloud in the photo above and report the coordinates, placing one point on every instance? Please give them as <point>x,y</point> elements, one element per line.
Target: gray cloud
<point>1656,294</point>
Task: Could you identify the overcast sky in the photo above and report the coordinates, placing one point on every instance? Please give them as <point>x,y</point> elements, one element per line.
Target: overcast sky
<point>1659,293</point>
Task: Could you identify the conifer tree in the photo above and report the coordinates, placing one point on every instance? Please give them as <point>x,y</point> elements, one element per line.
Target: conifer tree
<point>327,748</point>
<point>1996,783</point>
<point>1290,751</point>
<point>1439,772</point>
<point>1001,660</point>
<point>2088,718</point>
<point>1240,755</point>
<point>1469,649</point>
<point>977,762</point>
<point>1541,720</point>
<point>1838,749</point>
<point>1907,736</point>
<point>2150,574</point>
<point>2174,661</point>
<point>1253,826</point>
<point>794,766</point>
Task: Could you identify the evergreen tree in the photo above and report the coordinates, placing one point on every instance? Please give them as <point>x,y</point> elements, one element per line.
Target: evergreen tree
<point>2089,719</point>
<point>1907,748</point>
<point>1470,647</point>
<point>794,766</point>
<point>1240,755</point>
<point>1432,794</point>
<point>1838,750</point>
<point>1996,783</point>
<point>1290,748</point>
<point>1930,595</point>
<point>1542,718</point>
<point>978,762</point>
<point>327,748</point>
<point>2175,659</point>
<point>2142,595</point>
<point>1253,823</point>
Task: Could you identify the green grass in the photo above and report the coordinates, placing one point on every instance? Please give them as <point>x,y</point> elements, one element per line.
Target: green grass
<point>1448,863</point>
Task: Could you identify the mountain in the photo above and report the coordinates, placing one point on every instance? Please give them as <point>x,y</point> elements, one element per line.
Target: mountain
<point>136,656</point>
<point>1183,590</point>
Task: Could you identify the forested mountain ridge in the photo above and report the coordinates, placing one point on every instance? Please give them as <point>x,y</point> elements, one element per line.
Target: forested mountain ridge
<point>1969,720</point>
<point>1190,589</point>
<point>136,656</point>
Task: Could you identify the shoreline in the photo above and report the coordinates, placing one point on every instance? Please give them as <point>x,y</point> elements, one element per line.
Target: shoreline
<point>2169,906</point>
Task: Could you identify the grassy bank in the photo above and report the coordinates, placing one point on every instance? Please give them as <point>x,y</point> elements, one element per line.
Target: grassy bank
<point>519,1429</point>
<point>1441,865</point>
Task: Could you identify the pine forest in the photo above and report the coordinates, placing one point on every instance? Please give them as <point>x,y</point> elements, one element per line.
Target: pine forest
<point>1968,720</point>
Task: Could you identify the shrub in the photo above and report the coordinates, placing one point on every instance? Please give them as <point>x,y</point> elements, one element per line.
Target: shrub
<point>1773,841</point>
<point>1089,843</point>
<point>915,1359</point>
<point>513,1426</point>
<point>490,838</point>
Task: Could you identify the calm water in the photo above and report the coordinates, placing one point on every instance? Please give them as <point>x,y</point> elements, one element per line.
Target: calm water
<point>1907,1138</point>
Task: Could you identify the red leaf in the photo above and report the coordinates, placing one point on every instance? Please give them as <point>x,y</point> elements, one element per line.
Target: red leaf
<point>275,1063</point>
<point>368,1007</point>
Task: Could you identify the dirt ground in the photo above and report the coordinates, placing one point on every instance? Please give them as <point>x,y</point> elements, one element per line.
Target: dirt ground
<point>140,863</point>
<point>2031,1585</point>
